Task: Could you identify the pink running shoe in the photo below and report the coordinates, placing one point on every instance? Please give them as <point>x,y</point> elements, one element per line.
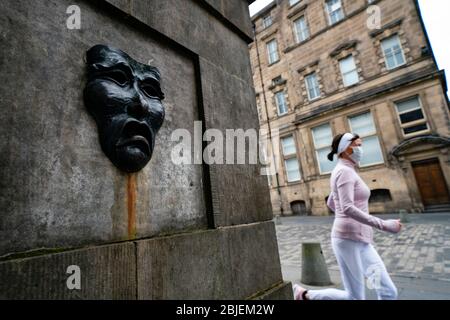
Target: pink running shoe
<point>299,292</point>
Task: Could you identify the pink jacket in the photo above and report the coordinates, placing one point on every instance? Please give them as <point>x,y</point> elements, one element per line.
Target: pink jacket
<point>349,199</point>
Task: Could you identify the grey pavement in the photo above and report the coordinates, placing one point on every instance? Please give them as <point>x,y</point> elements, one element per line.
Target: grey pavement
<point>418,258</point>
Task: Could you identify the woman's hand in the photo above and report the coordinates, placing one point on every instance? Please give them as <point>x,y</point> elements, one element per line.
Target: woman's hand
<point>392,225</point>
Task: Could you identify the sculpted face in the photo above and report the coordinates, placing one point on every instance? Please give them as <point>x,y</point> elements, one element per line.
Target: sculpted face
<point>124,97</point>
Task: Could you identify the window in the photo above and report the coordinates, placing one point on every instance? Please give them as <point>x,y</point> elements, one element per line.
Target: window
<point>267,21</point>
<point>301,29</point>
<point>272,50</point>
<point>348,71</point>
<point>281,103</point>
<point>335,11</point>
<point>290,159</point>
<point>364,126</point>
<point>322,138</point>
<point>292,2</point>
<point>380,195</point>
<point>410,113</point>
<point>292,171</point>
<point>312,86</point>
<point>288,145</point>
<point>277,80</point>
<point>258,108</point>
<point>393,52</point>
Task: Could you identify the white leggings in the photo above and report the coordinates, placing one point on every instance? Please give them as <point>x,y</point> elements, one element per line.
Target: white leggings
<point>357,259</point>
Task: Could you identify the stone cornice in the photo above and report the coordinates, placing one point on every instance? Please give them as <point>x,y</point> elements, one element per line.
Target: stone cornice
<point>310,65</point>
<point>344,46</point>
<point>299,9</point>
<point>269,34</point>
<point>390,25</point>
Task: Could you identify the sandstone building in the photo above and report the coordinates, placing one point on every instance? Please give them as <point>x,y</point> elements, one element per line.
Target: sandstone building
<point>323,67</point>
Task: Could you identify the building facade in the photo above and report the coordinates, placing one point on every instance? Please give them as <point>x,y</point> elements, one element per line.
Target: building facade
<point>323,67</point>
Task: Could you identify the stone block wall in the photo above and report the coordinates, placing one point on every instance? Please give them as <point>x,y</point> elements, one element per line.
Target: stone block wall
<point>62,200</point>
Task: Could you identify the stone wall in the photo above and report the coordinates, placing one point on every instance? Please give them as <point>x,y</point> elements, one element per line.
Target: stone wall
<point>62,200</point>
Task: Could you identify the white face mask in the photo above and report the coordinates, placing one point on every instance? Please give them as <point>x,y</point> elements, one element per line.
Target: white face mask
<point>357,154</point>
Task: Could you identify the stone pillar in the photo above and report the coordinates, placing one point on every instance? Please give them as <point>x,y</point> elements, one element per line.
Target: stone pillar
<point>166,232</point>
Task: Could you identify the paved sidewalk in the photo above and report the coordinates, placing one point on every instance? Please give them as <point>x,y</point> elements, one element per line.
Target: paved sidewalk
<point>418,258</point>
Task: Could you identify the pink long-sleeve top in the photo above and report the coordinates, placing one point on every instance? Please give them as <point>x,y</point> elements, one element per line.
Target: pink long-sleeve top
<point>349,199</point>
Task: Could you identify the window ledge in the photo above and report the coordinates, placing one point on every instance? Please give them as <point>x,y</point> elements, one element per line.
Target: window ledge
<point>418,133</point>
<point>331,25</point>
<point>372,166</point>
<point>279,116</point>
<point>351,86</point>
<point>294,5</point>
<point>275,62</point>
<point>315,99</point>
<point>288,184</point>
<point>325,174</point>
<point>297,44</point>
<point>397,67</point>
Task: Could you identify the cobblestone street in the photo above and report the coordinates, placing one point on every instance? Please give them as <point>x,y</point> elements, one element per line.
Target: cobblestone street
<point>420,252</point>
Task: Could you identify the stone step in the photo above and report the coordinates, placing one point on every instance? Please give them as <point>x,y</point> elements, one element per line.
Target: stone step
<point>437,208</point>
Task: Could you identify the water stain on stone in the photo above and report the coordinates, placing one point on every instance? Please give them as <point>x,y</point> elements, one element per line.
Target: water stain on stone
<point>143,181</point>
<point>119,210</point>
<point>131,205</point>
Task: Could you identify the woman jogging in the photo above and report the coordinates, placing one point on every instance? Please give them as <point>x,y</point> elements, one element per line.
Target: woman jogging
<point>352,234</point>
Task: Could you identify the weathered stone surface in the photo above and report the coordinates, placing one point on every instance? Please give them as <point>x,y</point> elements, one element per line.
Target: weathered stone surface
<point>57,187</point>
<point>107,272</point>
<point>58,190</point>
<point>73,183</point>
<point>236,12</point>
<point>253,260</point>
<point>239,192</point>
<point>227,263</point>
<point>192,26</point>
<point>281,292</point>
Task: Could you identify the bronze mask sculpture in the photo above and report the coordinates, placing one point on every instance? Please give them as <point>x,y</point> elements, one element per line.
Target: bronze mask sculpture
<point>124,97</point>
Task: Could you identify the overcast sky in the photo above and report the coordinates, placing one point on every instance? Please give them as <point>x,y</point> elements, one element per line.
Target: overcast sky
<point>435,14</point>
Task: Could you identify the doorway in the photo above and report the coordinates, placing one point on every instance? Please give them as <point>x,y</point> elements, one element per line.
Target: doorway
<point>431,182</point>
